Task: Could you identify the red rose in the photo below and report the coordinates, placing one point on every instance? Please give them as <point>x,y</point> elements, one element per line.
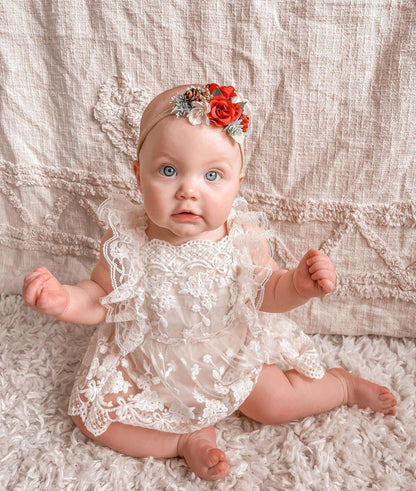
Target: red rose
<point>245,122</point>
<point>227,91</point>
<point>212,87</point>
<point>223,111</point>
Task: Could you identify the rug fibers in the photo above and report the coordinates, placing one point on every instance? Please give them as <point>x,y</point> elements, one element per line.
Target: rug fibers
<point>344,449</point>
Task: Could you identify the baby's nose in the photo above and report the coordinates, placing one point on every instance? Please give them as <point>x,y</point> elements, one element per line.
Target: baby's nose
<point>188,189</point>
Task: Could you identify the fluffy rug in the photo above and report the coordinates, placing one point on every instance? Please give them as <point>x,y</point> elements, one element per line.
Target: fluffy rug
<point>344,449</point>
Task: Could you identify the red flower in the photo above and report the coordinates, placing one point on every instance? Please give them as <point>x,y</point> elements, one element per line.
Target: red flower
<point>212,87</point>
<point>245,122</point>
<point>223,111</point>
<point>227,91</point>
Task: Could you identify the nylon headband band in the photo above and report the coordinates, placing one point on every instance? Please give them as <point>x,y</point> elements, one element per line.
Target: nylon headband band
<point>164,114</point>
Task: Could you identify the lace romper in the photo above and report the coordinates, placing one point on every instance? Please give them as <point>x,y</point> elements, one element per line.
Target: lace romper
<point>184,340</point>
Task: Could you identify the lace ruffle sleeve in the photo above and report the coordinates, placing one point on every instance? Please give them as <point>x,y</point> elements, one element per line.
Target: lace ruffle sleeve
<point>122,252</point>
<point>248,231</point>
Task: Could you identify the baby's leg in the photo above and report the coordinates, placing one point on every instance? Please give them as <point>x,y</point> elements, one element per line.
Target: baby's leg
<point>199,449</point>
<point>280,397</point>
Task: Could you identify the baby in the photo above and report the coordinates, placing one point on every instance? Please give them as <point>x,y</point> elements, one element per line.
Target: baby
<point>193,300</point>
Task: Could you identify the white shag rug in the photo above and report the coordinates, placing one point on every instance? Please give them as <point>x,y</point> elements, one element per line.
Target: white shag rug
<point>345,449</point>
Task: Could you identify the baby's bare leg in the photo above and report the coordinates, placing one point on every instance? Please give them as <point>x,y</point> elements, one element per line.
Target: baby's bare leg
<point>199,448</point>
<point>280,397</point>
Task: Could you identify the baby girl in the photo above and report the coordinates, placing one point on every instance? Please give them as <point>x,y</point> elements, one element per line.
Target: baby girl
<point>192,299</point>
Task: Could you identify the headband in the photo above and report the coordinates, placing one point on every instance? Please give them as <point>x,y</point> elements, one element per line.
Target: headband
<point>211,104</point>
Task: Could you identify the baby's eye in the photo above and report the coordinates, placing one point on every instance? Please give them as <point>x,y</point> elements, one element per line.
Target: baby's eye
<point>212,175</point>
<point>168,171</point>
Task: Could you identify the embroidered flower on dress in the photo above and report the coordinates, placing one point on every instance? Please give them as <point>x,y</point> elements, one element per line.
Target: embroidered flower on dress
<point>103,349</point>
<point>198,285</point>
<point>167,302</point>
<point>116,383</point>
<point>241,389</point>
<point>214,410</point>
<point>92,390</point>
<point>195,371</point>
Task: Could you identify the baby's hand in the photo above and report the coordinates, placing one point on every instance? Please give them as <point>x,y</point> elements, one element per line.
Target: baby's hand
<point>315,275</point>
<point>43,293</point>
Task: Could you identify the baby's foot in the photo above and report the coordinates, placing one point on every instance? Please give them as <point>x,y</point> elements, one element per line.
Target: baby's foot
<point>200,451</point>
<point>364,393</point>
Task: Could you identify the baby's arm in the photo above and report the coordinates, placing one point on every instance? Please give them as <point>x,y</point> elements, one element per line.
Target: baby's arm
<point>313,277</point>
<point>79,303</point>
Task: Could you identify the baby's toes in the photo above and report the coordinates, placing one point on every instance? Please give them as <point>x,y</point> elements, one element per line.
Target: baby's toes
<point>387,401</point>
<point>384,391</point>
<point>391,410</point>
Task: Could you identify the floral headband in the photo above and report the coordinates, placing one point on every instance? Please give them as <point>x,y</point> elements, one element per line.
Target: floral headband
<point>218,105</point>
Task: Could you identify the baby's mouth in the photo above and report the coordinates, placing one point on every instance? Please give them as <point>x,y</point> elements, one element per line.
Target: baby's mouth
<point>186,212</point>
<point>186,215</point>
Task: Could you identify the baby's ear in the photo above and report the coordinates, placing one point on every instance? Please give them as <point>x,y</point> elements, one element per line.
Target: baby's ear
<point>136,169</point>
<point>242,176</point>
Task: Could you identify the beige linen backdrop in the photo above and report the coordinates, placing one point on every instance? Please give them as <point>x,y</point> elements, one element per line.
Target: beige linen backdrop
<point>331,156</point>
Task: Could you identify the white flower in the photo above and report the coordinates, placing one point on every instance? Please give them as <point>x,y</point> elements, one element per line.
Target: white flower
<point>221,389</point>
<point>158,286</point>
<point>92,390</point>
<point>182,413</point>
<point>214,410</point>
<point>208,301</point>
<point>197,285</point>
<point>93,368</point>
<point>195,371</point>
<point>241,389</point>
<point>239,98</point>
<point>207,358</point>
<point>198,113</point>
<point>118,384</point>
<point>167,302</point>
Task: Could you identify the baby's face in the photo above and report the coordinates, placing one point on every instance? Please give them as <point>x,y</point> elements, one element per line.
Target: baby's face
<point>189,176</point>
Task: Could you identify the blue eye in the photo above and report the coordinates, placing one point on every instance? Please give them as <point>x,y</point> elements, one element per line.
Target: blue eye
<point>168,171</point>
<point>212,176</point>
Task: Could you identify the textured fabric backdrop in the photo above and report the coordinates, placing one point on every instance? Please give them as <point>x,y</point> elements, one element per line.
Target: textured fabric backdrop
<point>331,158</point>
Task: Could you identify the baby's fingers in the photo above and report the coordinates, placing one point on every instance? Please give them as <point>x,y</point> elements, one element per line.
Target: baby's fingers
<point>326,285</point>
<point>314,255</point>
<point>323,274</point>
<point>321,264</point>
<point>33,287</point>
<point>34,274</point>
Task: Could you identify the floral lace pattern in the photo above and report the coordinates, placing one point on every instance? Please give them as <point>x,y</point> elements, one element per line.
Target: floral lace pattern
<point>184,341</point>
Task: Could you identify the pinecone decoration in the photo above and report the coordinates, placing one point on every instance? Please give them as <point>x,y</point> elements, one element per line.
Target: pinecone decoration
<point>192,94</point>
